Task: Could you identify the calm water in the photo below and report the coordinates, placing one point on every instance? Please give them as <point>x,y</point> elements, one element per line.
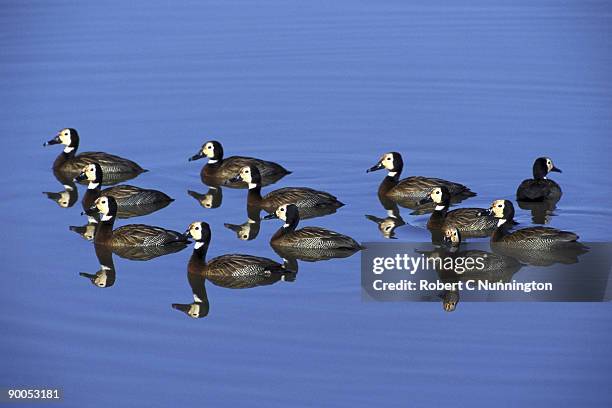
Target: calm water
<point>470,93</point>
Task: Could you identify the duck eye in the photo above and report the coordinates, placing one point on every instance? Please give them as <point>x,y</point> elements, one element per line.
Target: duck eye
<point>245,236</point>
<point>282,209</point>
<point>499,206</point>
<point>388,158</point>
<point>197,228</point>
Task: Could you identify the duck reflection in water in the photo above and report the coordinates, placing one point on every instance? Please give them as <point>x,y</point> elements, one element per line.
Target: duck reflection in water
<point>106,275</point>
<point>211,199</point>
<point>67,197</point>
<point>235,271</point>
<point>249,229</point>
<point>541,212</point>
<point>475,265</point>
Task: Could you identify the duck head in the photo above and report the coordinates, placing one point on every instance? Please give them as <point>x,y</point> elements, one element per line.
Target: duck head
<point>249,175</point>
<point>503,210</point>
<point>68,137</point>
<point>200,232</point>
<point>92,173</point>
<point>211,149</point>
<point>106,206</point>
<point>391,161</point>
<point>542,166</point>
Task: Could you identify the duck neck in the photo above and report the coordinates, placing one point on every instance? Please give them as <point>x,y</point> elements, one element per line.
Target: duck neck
<point>63,157</point>
<point>104,231</point>
<point>288,226</point>
<point>254,196</point>
<point>503,226</point>
<point>390,181</point>
<point>90,197</point>
<point>200,249</point>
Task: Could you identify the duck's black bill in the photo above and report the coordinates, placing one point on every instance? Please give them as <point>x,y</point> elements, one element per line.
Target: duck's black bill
<point>181,307</point>
<point>378,166</point>
<point>232,227</point>
<point>424,201</point>
<point>80,177</point>
<point>53,196</point>
<point>270,217</point>
<point>234,179</point>
<point>55,140</point>
<point>556,170</point>
<point>196,157</point>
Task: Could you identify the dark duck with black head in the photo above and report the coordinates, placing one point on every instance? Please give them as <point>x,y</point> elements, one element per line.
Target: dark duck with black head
<point>414,188</point>
<point>469,221</point>
<point>303,197</point>
<point>540,188</point>
<point>133,235</point>
<point>70,164</point>
<point>219,169</point>
<point>131,201</point>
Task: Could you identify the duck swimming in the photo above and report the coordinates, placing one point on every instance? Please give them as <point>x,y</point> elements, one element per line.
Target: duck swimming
<point>131,201</point>
<point>218,169</point>
<point>130,235</point>
<point>250,269</point>
<point>413,188</point>
<point>303,197</point>
<point>469,221</point>
<point>70,164</point>
<point>539,188</point>
<point>307,237</point>
<point>532,238</point>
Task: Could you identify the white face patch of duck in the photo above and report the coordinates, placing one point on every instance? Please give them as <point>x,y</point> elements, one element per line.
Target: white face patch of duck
<point>195,230</point>
<point>103,208</point>
<point>207,201</point>
<point>281,213</point>
<point>497,207</point>
<point>66,139</point>
<point>247,176</point>
<point>387,161</point>
<point>549,164</point>
<point>436,195</point>
<point>64,199</point>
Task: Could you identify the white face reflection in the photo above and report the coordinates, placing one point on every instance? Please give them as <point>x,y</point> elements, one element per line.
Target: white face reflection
<point>64,199</point>
<point>194,310</point>
<point>452,234</point>
<point>100,279</point>
<point>207,201</point>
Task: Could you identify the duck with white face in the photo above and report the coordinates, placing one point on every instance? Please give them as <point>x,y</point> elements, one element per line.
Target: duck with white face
<point>235,271</point>
<point>310,201</point>
<point>133,235</point>
<point>66,198</point>
<point>308,243</point>
<point>540,238</point>
<point>409,191</point>
<point>211,199</point>
<point>131,201</point>
<point>469,221</point>
<point>219,169</point>
<point>540,188</point>
<point>69,164</point>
